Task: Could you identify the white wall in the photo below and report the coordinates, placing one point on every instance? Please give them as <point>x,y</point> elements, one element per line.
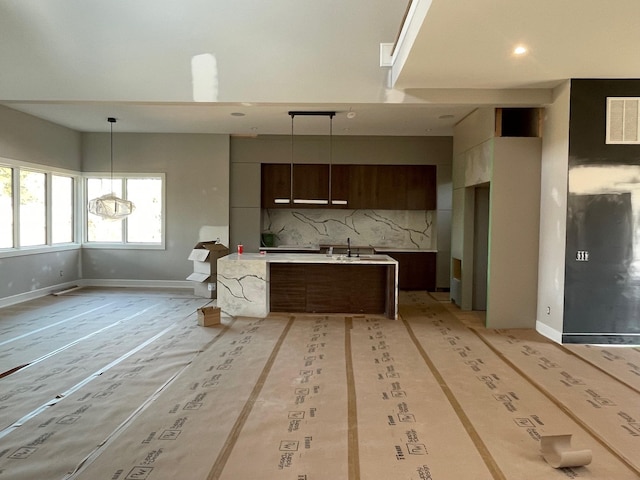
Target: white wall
<point>553,218</point>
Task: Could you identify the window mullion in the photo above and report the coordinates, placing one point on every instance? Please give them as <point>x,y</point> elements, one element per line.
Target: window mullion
<point>48,204</point>
<point>16,206</point>
<point>125,221</point>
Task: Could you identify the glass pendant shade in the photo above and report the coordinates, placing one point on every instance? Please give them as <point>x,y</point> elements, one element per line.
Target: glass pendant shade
<point>110,206</point>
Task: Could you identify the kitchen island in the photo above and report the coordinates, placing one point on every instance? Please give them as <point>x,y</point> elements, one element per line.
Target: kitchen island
<point>255,284</point>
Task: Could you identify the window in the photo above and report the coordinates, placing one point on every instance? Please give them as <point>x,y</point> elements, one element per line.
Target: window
<point>36,207</point>
<point>33,213</point>
<point>6,207</point>
<point>61,209</point>
<point>144,227</point>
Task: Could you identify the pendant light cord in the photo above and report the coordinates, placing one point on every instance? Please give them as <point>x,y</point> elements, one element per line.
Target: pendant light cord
<point>330,152</point>
<point>291,172</point>
<point>111,121</point>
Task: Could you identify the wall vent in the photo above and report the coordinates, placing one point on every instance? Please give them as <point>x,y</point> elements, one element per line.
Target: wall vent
<point>622,120</point>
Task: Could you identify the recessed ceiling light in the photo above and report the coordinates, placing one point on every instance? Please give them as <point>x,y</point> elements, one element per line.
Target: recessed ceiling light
<point>237,114</point>
<point>520,50</point>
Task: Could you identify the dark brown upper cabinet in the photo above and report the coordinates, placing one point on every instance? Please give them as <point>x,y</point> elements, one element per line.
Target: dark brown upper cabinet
<point>362,186</point>
<point>421,189</point>
<point>339,191</point>
<point>384,187</point>
<point>276,185</point>
<point>310,185</point>
<point>393,187</point>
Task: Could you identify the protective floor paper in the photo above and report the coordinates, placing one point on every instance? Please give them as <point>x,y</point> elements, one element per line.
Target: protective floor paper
<point>124,385</point>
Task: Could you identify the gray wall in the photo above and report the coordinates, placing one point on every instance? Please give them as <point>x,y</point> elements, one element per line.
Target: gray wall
<point>512,168</point>
<point>197,198</point>
<point>204,192</point>
<point>553,206</point>
<point>248,153</point>
<point>29,139</point>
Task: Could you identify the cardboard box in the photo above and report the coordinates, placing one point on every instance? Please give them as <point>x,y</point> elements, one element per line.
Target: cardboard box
<point>206,287</point>
<point>205,257</point>
<point>208,316</point>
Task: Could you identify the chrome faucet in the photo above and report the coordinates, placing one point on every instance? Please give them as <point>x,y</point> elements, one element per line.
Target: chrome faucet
<point>348,247</point>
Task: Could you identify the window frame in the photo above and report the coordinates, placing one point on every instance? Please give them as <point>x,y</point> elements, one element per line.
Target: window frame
<point>48,171</point>
<point>124,244</point>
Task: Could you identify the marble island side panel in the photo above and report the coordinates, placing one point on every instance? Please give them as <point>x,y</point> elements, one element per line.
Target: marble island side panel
<point>243,280</point>
<point>243,285</point>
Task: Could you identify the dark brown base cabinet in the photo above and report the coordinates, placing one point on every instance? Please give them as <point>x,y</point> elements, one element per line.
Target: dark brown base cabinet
<point>331,288</point>
<point>416,270</point>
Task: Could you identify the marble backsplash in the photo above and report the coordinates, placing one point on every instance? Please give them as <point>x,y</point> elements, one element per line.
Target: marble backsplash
<point>380,228</point>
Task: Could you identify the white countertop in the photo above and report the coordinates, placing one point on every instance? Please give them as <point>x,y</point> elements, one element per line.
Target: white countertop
<point>354,249</point>
<point>310,258</point>
<point>404,250</point>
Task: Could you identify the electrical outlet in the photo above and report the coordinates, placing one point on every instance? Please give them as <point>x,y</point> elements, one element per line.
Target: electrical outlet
<point>548,310</point>
<point>61,273</point>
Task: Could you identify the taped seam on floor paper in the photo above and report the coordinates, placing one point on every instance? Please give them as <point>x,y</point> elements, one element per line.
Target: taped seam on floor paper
<point>86,337</point>
<point>123,426</point>
<point>353,455</point>
<point>224,454</point>
<point>19,337</point>
<point>81,384</point>
<point>556,450</point>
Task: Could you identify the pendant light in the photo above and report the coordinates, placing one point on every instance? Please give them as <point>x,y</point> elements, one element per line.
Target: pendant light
<point>110,206</point>
<point>313,114</point>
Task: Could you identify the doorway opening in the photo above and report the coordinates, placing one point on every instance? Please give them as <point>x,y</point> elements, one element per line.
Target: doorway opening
<point>480,247</point>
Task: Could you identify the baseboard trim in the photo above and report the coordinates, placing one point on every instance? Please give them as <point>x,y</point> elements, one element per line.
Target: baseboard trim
<point>547,331</point>
<point>90,282</point>
<point>109,282</point>
<point>33,294</point>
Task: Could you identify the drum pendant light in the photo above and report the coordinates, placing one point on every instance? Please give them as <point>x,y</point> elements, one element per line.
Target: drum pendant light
<point>110,206</point>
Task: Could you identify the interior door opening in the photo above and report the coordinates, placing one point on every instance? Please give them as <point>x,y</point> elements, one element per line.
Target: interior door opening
<point>480,248</point>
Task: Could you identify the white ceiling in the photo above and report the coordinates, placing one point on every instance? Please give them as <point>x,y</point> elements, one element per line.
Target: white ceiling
<point>76,62</point>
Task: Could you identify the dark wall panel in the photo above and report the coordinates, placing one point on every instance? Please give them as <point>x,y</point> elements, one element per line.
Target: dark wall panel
<point>602,280</point>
